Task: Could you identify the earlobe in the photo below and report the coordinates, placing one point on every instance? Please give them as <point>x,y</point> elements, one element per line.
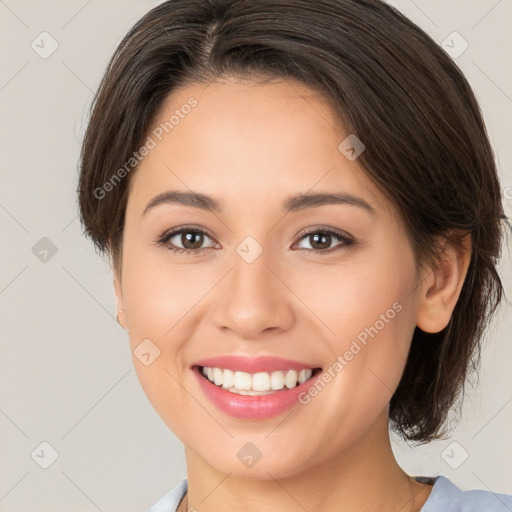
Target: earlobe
<point>121,319</point>
<point>120,315</point>
<point>441,288</point>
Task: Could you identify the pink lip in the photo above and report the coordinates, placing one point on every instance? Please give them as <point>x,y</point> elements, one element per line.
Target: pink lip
<point>246,406</point>
<point>253,364</point>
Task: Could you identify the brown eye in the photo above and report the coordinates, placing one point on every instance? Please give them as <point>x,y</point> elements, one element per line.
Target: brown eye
<point>321,240</point>
<point>185,240</point>
<point>191,239</point>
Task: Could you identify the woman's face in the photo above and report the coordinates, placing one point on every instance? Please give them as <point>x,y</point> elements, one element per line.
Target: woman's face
<point>251,284</point>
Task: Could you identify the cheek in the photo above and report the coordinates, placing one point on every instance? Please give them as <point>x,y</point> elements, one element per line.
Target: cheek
<point>156,293</point>
<point>351,298</point>
<point>369,310</point>
<point>160,384</point>
<point>159,298</point>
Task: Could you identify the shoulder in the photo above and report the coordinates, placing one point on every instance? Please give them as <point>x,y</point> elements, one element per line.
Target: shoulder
<point>169,501</point>
<point>444,497</point>
<point>447,497</point>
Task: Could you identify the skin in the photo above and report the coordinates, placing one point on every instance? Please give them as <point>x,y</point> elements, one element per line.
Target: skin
<point>251,146</point>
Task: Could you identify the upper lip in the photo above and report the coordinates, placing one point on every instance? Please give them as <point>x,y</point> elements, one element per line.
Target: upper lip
<point>253,364</point>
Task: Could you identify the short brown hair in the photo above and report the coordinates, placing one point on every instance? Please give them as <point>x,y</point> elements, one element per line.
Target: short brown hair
<point>388,82</point>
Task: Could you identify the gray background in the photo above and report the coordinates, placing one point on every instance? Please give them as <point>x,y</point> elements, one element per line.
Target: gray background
<point>66,371</point>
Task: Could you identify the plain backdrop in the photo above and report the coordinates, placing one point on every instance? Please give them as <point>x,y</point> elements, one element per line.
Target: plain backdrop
<point>66,373</point>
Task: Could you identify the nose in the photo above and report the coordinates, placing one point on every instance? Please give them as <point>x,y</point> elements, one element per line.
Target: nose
<point>254,299</point>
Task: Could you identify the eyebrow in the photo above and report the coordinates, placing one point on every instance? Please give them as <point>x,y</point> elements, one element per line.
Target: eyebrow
<point>292,204</point>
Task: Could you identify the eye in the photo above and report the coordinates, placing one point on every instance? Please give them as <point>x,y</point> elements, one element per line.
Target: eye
<point>320,240</point>
<point>191,240</point>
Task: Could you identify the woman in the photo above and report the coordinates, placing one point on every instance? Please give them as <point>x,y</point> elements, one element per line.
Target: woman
<point>303,213</point>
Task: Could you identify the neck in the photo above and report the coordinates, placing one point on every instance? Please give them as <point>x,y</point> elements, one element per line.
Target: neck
<point>364,477</point>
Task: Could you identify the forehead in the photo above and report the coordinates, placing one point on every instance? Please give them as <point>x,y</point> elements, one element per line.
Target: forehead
<point>249,138</point>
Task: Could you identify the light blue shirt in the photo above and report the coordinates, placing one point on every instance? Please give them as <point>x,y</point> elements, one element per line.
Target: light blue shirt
<point>444,497</point>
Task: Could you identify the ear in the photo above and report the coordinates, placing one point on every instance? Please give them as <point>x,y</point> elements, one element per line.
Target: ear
<point>441,286</point>
<point>118,289</point>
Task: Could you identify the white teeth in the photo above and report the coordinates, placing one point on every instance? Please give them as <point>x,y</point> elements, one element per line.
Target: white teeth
<point>243,380</point>
<point>228,379</point>
<point>217,376</point>
<point>277,381</point>
<point>290,380</point>
<point>261,383</point>
<point>303,376</point>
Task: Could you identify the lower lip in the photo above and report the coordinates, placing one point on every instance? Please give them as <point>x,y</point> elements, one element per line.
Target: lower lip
<point>252,407</point>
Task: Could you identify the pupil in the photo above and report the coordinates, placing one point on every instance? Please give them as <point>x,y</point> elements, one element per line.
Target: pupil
<point>326,238</point>
<point>189,237</point>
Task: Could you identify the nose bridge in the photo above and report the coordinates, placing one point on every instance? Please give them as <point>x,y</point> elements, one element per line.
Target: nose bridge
<point>253,299</point>
<point>251,275</point>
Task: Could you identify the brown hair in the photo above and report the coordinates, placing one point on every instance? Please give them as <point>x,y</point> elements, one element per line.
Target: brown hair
<point>426,143</point>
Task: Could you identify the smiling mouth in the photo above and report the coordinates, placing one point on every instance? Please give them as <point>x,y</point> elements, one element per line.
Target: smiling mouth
<point>256,384</point>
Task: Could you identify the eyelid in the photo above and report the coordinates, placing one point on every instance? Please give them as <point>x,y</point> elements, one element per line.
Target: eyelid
<point>188,227</point>
<point>325,229</point>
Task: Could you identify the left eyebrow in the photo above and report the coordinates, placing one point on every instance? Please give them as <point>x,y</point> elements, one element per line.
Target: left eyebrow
<point>303,201</point>
<point>292,204</point>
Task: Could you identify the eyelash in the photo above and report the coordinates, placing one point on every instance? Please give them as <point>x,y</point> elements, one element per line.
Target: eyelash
<point>164,239</point>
